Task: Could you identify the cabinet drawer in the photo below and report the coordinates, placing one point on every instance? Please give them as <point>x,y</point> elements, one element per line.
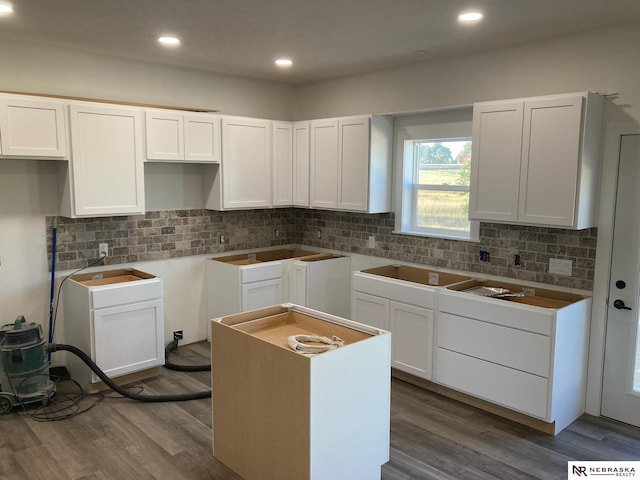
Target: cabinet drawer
<point>501,312</point>
<point>259,272</point>
<point>530,352</point>
<point>397,290</point>
<point>505,386</point>
<point>124,293</point>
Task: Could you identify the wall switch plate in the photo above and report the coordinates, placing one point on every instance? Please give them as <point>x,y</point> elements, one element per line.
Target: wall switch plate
<point>558,266</point>
<point>372,241</point>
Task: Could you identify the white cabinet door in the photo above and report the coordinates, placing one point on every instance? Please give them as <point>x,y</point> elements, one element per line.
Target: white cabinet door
<point>282,164</point>
<point>246,164</point>
<point>32,128</point>
<point>129,338</point>
<point>262,294</point>
<point>301,164</point>
<point>371,310</point>
<point>106,169</point>
<point>495,164</point>
<point>324,161</point>
<point>164,135</point>
<point>353,174</point>
<point>550,161</point>
<point>174,137</point>
<point>535,161</point>
<point>298,283</point>
<point>412,339</point>
<point>202,138</point>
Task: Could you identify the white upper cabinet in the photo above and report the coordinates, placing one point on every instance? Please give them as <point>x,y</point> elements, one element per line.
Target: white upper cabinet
<point>105,175</point>
<point>243,179</point>
<point>350,163</point>
<point>323,160</point>
<point>282,164</point>
<point>535,160</point>
<point>177,137</point>
<point>32,127</point>
<point>301,164</point>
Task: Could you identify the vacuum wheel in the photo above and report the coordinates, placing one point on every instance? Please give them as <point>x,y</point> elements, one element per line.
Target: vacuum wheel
<point>6,403</point>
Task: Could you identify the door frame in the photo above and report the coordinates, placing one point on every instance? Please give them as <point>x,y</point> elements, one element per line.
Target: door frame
<point>604,250</point>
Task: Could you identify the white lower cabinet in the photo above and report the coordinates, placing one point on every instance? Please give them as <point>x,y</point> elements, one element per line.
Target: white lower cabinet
<point>117,318</point>
<point>370,310</point>
<point>261,294</point>
<point>280,415</point>
<point>526,358</point>
<point>321,282</point>
<point>411,325</point>
<point>242,282</point>
<point>412,336</point>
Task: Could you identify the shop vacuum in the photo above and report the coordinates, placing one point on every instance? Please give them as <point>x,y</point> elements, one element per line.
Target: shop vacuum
<point>24,366</point>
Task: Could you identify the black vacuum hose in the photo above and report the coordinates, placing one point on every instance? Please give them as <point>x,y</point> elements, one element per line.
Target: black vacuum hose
<point>171,346</point>
<point>55,347</point>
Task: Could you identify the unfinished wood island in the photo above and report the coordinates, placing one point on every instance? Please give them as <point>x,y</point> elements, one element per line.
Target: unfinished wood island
<point>281,415</point>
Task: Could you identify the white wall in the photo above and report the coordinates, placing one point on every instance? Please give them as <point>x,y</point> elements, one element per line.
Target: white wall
<point>605,60</point>
<point>35,69</point>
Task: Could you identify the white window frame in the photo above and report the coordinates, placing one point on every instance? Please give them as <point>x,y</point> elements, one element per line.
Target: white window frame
<point>426,128</point>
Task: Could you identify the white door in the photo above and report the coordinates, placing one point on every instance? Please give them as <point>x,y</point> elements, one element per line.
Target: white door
<point>621,378</point>
<point>129,338</point>
<point>282,142</point>
<point>371,310</point>
<point>246,175</point>
<point>262,294</point>
<point>353,174</point>
<point>412,339</point>
<point>323,174</point>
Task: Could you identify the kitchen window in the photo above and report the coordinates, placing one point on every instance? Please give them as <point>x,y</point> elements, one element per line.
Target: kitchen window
<point>434,188</point>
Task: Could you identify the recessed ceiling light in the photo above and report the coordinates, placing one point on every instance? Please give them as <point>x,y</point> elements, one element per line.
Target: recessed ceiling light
<point>169,41</point>
<point>421,52</point>
<point>469,17</point>
<point>6,8</point>
<point>284,62</point>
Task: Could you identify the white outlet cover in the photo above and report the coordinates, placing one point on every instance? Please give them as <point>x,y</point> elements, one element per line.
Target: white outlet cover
<point>372,241</point>
<point>559,266</point>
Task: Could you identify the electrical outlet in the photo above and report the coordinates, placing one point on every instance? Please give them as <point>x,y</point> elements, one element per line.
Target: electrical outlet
<point>319,234</point>
<point>177,335</point>
<point>558,266</point>
<point>372,241</point>
<point>103,249</point>
<point>484,256</point>
<point>517,261</point>
<point>223,239</point>
<point>277,232</point>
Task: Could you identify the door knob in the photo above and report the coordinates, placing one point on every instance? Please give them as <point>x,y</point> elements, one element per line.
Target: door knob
<point>619,304</point>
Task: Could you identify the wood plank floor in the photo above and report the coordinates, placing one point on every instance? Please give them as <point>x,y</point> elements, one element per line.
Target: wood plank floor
<point>432,437</point>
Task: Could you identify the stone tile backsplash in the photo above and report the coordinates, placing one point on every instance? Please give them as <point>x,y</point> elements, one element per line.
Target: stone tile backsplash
<point>177,233</point>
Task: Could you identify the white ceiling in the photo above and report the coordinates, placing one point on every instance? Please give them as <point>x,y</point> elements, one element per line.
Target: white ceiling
<point>325,38</point>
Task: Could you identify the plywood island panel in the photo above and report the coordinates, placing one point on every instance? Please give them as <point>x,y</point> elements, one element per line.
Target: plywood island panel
<point>280,415</point>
